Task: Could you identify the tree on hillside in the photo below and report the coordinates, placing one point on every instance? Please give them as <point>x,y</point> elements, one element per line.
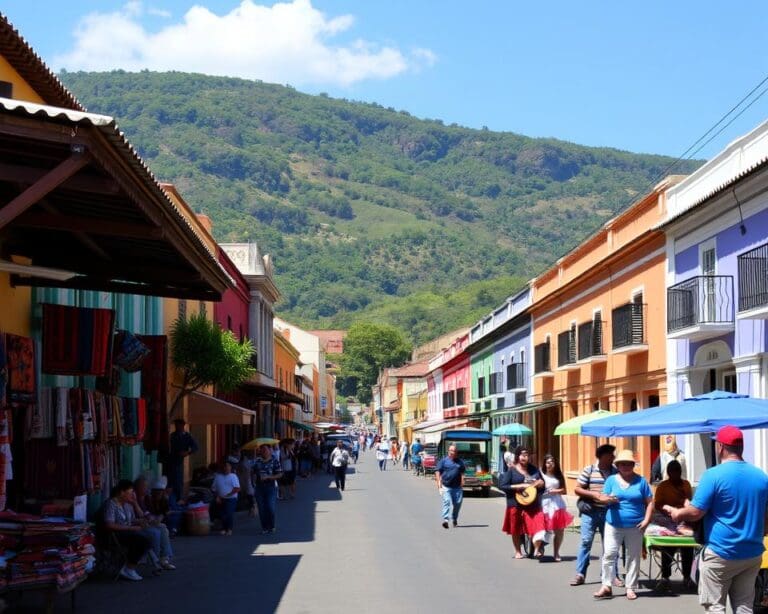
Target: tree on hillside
<point>368,348</point>
<point>207,356</point>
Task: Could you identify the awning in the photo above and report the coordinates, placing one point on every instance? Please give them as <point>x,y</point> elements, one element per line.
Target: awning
<point>301,426</point>
<point>440,426</point>
<point>263,392</point>
<point>77,197</point>
<point>394,405</point>
<point>520,409</point>
<point>206,409</point>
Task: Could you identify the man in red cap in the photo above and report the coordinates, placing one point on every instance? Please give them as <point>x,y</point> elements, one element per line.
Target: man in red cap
<point>732,499</point>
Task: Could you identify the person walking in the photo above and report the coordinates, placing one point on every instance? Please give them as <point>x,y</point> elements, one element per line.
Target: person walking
<point>266,472</point>
<point>589,487</point>
<point>339,460</point>
<point>355,450</point>
<point>524,518</point>
<point>731,499</point>
<point>449,475</point>
<point>182,444</point>
<point>406,456</point>
<point>382,453</point>
<point>630,506</point>
<point>556,515</point>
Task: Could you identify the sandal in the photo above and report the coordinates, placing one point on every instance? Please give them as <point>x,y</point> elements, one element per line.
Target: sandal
<point>519,555</point>
<point>631,595</point>
<point>578,580</point>
<point>604,593</point>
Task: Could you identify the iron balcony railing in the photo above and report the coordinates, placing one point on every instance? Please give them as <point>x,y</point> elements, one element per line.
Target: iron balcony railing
<point>516,375</point>
<point>628,325</point>
<point>705,299</point>
<point>753,278</point>
<point>541,358</point>
<point>591,339</point>
<point>566,347</point>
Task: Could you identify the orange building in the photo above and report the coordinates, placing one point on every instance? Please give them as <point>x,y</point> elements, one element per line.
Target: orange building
<point>289,382</point>
<point>598,330</point>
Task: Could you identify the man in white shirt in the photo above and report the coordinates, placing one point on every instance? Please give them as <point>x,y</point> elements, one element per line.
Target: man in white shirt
<point>339,462</point>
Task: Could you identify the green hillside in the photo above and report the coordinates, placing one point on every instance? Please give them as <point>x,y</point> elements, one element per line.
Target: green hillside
<point>369,212</point>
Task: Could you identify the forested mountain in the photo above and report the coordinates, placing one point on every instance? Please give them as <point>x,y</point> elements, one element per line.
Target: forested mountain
<point>369,212</point>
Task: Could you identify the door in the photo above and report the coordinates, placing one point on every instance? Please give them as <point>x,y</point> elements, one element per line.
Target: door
<point>708,266</point>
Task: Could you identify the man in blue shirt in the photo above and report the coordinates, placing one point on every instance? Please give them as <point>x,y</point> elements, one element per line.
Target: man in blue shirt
<point>732,499</point>
<point>449,475</point>
<point>182,445</point>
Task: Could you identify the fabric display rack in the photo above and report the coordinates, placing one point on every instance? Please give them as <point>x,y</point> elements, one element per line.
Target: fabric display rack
<point>70,441</point>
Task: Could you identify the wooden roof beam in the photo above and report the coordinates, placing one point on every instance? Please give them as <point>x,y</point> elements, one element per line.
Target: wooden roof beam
<point>95,184</point>
<point>44,186</point>
<point>83,282</point>
<point>87,225</point>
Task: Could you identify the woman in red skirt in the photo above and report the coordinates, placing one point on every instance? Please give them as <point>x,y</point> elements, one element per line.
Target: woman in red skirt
<point>523,515</point>
<point>556,516</point>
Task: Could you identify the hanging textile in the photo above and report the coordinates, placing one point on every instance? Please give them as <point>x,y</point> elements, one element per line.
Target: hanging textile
<point>20,354</point>
<point>41,418</point>
<point>51,471</point>
<point>154,391</point>
<point>3,371</point>
<point>77,340</point>
<point>64,427</point>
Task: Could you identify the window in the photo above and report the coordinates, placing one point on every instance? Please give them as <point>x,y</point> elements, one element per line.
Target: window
<point>520,398</point>
<point>461,396</point>
<point>6,89</point>
<point>500,403</point>
<point>182,309</point>
<point>480,387</point>
<point>541,358</point>
<point>229,323</point>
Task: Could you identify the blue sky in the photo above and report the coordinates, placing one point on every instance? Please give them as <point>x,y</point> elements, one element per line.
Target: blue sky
<point>647,77</point>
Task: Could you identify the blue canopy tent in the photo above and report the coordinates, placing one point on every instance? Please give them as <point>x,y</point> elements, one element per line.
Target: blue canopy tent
<point>705,413</point>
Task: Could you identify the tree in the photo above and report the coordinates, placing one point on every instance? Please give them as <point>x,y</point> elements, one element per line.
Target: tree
<point>368,348</point>
<point>207,356</point>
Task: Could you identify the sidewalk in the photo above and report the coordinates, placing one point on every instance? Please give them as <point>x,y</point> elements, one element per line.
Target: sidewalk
<point>213,571</point>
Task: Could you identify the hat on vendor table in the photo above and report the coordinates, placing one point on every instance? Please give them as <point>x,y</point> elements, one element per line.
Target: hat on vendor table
<point>730,436</point>
<point>625,456</point>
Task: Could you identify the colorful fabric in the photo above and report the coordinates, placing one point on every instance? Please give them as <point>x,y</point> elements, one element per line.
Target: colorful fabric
<point>3,371</point>
<point>153,390</point>
<point>20,352</point>
<point>129,351</point>
<point>77,340</point>
<point>41,417</point>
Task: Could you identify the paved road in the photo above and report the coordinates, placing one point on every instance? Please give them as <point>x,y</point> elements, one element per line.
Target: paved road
<point>379,547</point>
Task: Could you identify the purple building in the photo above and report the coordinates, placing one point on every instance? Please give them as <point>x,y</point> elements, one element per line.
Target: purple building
<point>717,285</point>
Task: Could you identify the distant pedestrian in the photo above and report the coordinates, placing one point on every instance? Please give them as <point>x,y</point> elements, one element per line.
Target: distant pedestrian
<point>355,450</point>
<point>182,445</point>
<point>266,472</point>
<point>382,453</point>
<point>731,499</point>
<point>449,475</point>
<point>394,451</point>
<point>340,459</point>
<point>556,515</point>
<point>406,455</point>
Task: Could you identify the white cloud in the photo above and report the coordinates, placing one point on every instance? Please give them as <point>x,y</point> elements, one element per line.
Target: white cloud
<point>289,42</point>
<point>157,12</point>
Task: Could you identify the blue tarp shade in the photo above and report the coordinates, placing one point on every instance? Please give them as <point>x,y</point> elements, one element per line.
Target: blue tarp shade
<point>705,413</point>
<point>467,435</point>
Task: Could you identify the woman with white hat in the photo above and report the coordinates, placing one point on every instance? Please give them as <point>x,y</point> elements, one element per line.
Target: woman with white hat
<point>630,506</point>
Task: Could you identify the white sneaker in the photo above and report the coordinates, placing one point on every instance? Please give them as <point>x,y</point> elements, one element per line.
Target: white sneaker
<point>130,574</point>
<point>166,564</point>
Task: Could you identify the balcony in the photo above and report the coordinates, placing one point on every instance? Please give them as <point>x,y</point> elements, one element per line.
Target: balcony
<point>591,342</point>
<point>753,283</point>
<point>566,349</point>
<point>516,376</point>
<point>541,359</point>
<point>700,307</point>
<point>628,329</point>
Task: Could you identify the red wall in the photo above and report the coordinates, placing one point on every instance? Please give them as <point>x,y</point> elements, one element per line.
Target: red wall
<point>231,313</point>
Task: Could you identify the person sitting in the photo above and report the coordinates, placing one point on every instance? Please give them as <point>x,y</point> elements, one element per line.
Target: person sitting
<point>674,491</point>
<point>160,505</point>
<point>151,526</point>
<point>118,521</point>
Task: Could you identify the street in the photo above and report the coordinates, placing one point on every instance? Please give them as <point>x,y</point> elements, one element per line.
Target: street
<point>377,545</point>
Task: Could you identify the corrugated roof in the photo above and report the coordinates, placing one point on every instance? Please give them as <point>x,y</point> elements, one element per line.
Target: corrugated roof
<point>109,129</point>
<point>19,54</point>
<point>414,369</point>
